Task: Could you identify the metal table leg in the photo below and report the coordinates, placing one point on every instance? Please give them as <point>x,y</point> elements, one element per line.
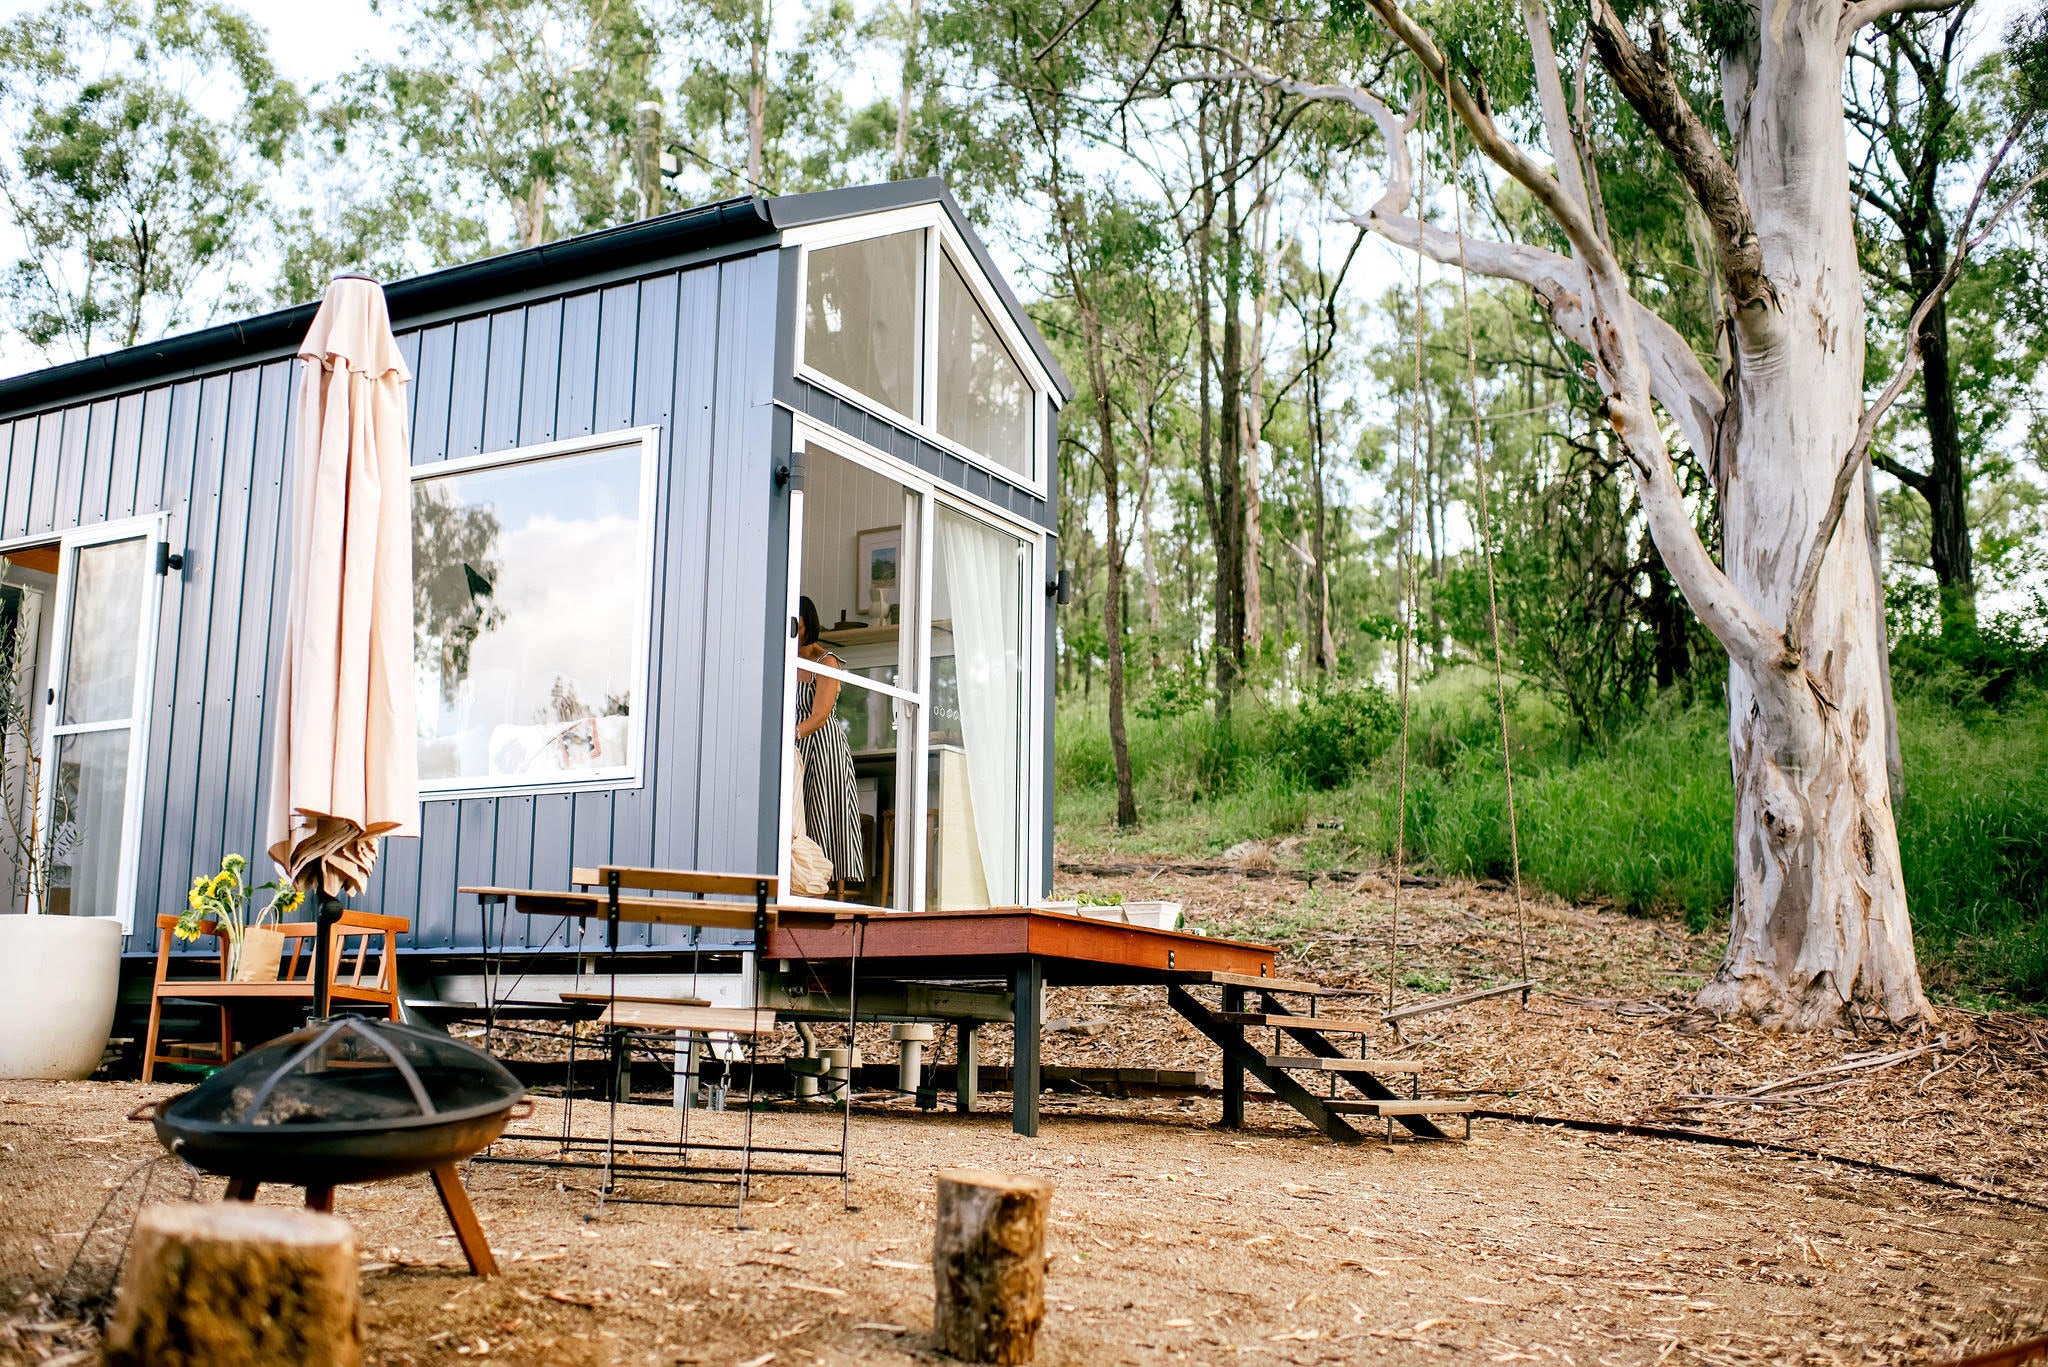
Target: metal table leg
<point>967,1067</point>
<point>1233,1070</point>
<point>1025,1077</point>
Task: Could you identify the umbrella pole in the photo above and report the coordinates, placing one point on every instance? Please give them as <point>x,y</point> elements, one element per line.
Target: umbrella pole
<point>323,942</point>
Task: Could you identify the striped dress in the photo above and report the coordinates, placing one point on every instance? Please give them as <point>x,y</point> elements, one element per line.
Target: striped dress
<point>831,794</point>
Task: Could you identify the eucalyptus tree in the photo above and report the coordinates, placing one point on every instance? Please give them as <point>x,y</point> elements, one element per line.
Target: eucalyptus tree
<point>1923,114</point>
<point>1819,925</point>
<point>1043,77</point>
<point>762,112</point>
<point>519,111</point>
<point>135,144</point>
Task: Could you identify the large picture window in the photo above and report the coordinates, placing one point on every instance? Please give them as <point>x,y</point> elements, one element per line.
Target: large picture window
<point>530,606</point>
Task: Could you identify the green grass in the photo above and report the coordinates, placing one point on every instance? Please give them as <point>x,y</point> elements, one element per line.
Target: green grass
<point>1641,820</point>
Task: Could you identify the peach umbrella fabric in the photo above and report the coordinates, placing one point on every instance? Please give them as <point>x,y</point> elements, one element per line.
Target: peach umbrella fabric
<point>344,769</point>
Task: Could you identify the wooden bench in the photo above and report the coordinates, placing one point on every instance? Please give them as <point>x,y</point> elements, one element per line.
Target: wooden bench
<point>715,903</point>
<point>364,977</point>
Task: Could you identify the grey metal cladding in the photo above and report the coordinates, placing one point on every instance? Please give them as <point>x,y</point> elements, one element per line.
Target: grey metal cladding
<point>801,396</point>
<point>689,352</point>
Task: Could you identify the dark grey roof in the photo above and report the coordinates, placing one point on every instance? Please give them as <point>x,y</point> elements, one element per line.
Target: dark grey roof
<point>707,232</point>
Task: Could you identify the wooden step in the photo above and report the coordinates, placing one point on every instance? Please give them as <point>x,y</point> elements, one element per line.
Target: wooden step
<point>1297,987</point>
<point>1420,1106</point>
<point>1308,1063</point>
<point>1332,1025</point>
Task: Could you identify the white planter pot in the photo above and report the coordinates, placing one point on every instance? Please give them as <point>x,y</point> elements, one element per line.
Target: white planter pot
<point>1157,915</point>
<point>58,980</point>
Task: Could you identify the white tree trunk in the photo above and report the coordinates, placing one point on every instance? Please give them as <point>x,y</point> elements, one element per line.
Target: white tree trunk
<point>1819,922</point>
<point>1819,925</point>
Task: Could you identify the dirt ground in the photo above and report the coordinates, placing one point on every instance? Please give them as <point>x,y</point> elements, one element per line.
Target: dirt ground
<point>1175,1241</point>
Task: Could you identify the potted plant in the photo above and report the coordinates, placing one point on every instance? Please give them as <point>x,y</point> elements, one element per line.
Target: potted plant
<point>59,975</point>
<point>219,905</point>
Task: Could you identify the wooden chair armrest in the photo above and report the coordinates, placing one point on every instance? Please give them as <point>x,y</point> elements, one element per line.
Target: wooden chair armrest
<point>370,920</point>
<point>167,922</point>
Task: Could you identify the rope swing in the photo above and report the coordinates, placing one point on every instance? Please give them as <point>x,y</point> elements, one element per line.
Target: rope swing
<point>1410,590</point>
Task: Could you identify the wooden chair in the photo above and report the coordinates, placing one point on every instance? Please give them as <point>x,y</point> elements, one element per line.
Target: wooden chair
<point>360,974</point>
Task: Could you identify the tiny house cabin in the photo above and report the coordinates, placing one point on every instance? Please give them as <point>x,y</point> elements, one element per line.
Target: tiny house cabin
<point>639,458</point>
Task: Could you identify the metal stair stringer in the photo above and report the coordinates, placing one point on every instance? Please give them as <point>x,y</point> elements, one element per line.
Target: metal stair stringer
<point>1239,1050</point>
<point>1421,1126</point>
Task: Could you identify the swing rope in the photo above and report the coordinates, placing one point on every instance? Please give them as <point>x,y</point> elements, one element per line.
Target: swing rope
<point>1409,579</point>
<point>1409,587</point>
<point>1500,688</point>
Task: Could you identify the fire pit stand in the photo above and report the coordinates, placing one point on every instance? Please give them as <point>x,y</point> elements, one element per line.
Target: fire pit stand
<point>469,1231</point>
<point>348,1100</point>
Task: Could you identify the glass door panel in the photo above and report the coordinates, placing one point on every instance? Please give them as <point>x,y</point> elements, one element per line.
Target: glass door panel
<point>87,801</point>
<point>25,593</point>
<point>92,742</point>
<point>975,821</point>
<point>858,697</point>
<point>100,656</point>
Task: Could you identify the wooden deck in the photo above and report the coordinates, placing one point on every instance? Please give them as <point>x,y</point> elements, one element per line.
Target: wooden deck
<point>1024,948</point>
<point>1073,951</point>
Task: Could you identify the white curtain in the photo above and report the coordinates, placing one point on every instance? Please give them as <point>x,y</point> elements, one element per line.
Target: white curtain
<point>983,569</point>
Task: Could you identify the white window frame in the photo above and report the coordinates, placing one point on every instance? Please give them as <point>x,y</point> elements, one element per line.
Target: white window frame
<point>633,774</point>
<point>912,767</point>
<point>940,235</point>
<point>150,529</point>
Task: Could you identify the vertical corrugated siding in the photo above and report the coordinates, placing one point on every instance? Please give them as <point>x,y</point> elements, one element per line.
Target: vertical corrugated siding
<point>912,449</point>
<point>689,352</point>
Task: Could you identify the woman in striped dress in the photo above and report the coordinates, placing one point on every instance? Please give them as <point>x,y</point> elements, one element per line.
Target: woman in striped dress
<point>831,794</point>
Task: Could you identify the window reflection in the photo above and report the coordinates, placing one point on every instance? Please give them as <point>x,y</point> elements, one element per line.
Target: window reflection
<point>984,400</point>
<point>863,303</point>
<point>524,672</point>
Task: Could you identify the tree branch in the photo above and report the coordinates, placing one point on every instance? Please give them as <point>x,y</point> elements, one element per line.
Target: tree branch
<point>1904,474</point>
<point>1557,128</point>
<point>1653,92</point>
<point>1866,429</point>
<point>1864,12</point>
<point>1590,300</point>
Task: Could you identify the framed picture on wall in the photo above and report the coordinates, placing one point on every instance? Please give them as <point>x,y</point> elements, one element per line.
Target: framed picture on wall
<point>878,553</point>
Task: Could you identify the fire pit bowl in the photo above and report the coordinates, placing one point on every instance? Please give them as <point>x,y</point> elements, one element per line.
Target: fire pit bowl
<point>343,1100</point>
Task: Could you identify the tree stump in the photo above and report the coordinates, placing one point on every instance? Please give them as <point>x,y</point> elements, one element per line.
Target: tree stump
<point>233,1284</point>
<point>988,1265</point>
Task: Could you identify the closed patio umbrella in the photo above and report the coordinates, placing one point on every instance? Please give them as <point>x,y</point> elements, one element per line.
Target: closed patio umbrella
<point>344,773</point>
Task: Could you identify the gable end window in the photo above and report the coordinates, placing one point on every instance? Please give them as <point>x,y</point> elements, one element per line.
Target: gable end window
<point>863,316</point>
<point>984,400</point>
<point>906,323</point>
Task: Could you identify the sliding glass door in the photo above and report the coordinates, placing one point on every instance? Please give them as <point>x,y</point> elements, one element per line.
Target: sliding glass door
<point>911,706</point>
